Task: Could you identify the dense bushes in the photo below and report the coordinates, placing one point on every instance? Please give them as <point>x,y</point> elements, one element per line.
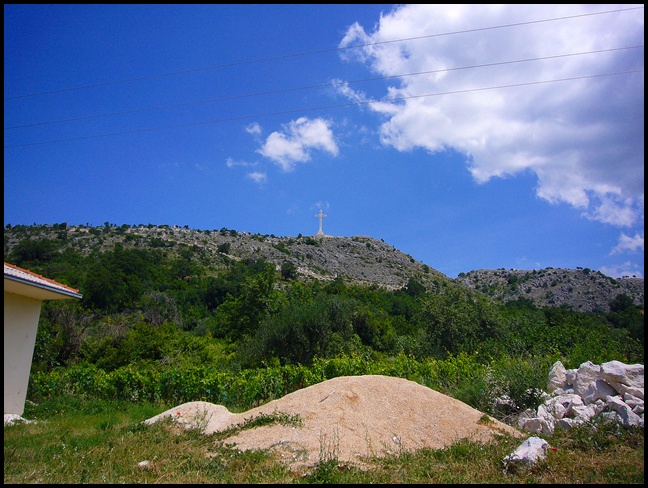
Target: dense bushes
<point>464,377</point>
<point>301,330</point>
<point>458,320</point>
<point>267,322</point>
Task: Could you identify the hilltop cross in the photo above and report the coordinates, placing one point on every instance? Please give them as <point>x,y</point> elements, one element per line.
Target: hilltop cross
<point>320,215</point>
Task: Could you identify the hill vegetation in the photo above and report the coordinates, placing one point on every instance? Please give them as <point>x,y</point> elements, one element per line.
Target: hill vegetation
<point>172,315</point>
<point>578,289</point>
<point>358,260</point>
<point>256,300</point>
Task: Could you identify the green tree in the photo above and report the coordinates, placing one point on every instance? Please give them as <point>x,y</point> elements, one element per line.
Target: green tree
<point>414,288</point>
<point>159,307</point>
<point>300,331</point>
<point>241,314</point>
<point>29,252</point>
<point>183,266</point>
<point>116,280</point>
<point>288,271</point>
<point>457,320</point>
<point>624,314</point>
<point>63,329</point>
<point>143,342</point>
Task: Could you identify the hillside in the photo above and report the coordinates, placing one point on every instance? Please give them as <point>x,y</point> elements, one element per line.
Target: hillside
<point>357,260</point>
<point>583,290</point>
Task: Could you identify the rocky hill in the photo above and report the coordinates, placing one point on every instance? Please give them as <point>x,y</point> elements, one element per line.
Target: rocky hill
<point>357,260</point>
<point>581,289</point>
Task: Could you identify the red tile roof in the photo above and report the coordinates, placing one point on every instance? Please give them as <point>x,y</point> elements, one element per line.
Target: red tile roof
<point>12,271</point>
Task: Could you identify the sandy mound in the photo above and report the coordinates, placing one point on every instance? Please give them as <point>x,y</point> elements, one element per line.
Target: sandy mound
<point>348,418</point>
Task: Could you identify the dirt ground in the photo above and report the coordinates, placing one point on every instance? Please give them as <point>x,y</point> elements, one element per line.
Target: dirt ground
<point>348,418</point>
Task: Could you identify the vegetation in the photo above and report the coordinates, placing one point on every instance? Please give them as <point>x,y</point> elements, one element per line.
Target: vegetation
<point>162,323</point>
<point>79,440</point>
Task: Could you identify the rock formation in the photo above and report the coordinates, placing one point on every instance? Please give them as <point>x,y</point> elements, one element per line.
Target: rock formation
<point>613,390</point>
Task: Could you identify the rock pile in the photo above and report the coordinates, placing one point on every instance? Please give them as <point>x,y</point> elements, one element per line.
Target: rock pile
<point>349,418</point>
<point>613,390</point>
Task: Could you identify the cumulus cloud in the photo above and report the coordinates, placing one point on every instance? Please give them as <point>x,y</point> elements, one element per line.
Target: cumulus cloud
<point>582,138</point>
<point>629,244</point>
<point>297,140</point>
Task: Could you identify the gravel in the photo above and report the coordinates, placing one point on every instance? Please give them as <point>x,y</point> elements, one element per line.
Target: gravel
<point>348,418</point>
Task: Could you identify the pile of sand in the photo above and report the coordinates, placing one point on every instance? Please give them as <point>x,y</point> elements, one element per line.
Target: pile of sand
<point>348,418</point>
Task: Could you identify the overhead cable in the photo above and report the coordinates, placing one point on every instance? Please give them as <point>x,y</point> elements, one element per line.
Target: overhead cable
<point>310,87</point>
<point>366,102</point>
<point>285,56</point>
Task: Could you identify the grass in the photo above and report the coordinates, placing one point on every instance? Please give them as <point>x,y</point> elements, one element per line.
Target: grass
<point>85,441</point>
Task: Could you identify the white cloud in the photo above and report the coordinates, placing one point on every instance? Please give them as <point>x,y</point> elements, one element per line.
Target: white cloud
<point>257,177</point>
<point>298,139</point>
<point>583,138</point>
<point>343,88</point>
<point>320,205</point>
<point>626,269</point>
<point>613,210</point>
<point>628,244</point>
<point>254,128</point>
<point>231,163</point>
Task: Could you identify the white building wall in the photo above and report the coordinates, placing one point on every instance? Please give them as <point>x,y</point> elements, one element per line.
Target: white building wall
<point>21,316</point>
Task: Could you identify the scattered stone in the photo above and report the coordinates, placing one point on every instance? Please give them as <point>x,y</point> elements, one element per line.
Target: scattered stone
<point>12,419</point>
<point>531,451</point>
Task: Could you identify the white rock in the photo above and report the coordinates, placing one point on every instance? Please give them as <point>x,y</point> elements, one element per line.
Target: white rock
<point>628,374</point>
<point>628,417</point>
<point>537,425</point>
<point>13,418</point>
<point>632,401</point>
<point>613,390</point>
<point>556,409</point>
<point>597,390</point>
<point>568,400</point>
<point>565,390</point>
<point>587,374</point>
<point>531,451</point>
<point>583,414</point>
<point>635,392</point>
<point>568,423</point>
<point>571,375</point>
<point>557,377</point>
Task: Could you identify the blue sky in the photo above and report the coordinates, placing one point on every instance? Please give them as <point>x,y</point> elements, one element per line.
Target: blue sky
<point>467,136</point>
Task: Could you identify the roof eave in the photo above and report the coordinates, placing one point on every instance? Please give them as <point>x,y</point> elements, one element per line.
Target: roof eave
<point>18,286</point>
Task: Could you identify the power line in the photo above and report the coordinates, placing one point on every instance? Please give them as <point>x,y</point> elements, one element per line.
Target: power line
<point>308,53</point>
<point>395,99</point>
<point>309,87</point>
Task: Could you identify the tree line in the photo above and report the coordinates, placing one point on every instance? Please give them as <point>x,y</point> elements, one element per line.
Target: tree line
<point>152,305</point>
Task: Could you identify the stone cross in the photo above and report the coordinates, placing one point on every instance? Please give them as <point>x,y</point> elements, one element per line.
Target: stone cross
<point>320,215</point>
